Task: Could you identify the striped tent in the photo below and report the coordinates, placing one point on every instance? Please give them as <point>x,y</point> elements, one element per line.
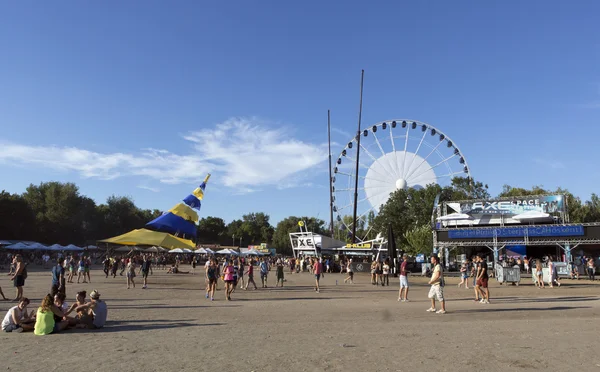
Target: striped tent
<point>182,218</point>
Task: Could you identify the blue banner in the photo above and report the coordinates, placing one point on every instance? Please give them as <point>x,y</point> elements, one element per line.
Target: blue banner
<point>517,232</point>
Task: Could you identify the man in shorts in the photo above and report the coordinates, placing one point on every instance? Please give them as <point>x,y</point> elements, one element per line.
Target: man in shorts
<point>264,272</point>
<point>58,278</point>
<point>482,281</point>
<point>403,293</point>
<point>145,270</point>
<point>437,286</point>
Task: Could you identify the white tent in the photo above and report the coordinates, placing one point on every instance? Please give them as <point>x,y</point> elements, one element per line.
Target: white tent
<point>185,250</point>
<point>251,252</point>
<point>227,251</point>
<point>176,250</point>
<point>455,217</point>
<point>209,251</point>
<point>155,249</point>
<point>72,247</point>
<point>18,246</point>
<point>200,251</point>
<point>56,247</point>
<point>37,246</point>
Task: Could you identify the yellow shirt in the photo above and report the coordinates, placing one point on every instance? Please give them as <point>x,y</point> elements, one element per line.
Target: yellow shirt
<point>437,270</point>
<point>44,322</point>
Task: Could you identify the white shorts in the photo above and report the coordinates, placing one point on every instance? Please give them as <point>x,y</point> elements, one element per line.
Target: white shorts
<point>403,281</point>
<point>436,291</point>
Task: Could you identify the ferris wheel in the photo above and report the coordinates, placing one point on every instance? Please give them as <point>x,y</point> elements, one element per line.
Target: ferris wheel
<point>395,154</point>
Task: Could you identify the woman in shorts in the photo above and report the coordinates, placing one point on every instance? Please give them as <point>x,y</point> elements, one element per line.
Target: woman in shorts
<point>539,274</point>
<point>350,273</point>
<point>228,277</point>
<point>211,278</point>
<point>130,274</point>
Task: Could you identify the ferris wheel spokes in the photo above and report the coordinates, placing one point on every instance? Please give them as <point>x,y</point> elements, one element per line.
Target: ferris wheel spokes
<point>383,153</point>
<point>435,166</point>
<point>372,157</point>
<point>415,154</point>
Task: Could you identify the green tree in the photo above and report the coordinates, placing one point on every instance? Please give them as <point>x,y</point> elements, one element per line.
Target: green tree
<point>18,219</point>
<point>418,240</point>
<point>59,211</point>
<point>213,230</point>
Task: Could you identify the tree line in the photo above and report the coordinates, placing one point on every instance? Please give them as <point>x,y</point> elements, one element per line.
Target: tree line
<point>54,212</point>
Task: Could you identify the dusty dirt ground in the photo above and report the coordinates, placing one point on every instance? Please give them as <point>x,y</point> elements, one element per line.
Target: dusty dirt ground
<point>171,326</point>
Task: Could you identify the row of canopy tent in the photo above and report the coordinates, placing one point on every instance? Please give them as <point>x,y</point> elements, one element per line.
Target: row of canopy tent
<point>38,246</point>
<point>225,251</point>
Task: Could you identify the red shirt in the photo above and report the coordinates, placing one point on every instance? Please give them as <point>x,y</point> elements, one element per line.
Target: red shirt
<point>318,268</point>
<point>403,268</point>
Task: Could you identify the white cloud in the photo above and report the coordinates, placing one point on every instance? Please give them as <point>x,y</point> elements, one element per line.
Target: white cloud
<point>241,153</point>
<point>149,188</point>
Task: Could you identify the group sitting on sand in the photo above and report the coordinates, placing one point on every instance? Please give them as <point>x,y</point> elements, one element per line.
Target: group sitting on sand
<point>53,315</point>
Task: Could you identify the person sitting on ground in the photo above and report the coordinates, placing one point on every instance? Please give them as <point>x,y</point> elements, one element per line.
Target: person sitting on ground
<point>96,308</point>
<point>83,319</point>
<point>17,319</point>
<point>45,320</point>
<point>175,270</point>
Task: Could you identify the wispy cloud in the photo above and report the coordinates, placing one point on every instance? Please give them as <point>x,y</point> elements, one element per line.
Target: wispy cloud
<point>149,188</point>
<point>241,153</point>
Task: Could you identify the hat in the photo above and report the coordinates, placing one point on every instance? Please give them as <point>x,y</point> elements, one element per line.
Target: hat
<point>95,295</point>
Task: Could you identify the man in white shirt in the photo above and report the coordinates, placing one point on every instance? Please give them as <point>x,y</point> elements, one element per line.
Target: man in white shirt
<point>17,319</point>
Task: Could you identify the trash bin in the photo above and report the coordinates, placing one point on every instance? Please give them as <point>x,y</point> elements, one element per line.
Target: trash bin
<point>508,274</point>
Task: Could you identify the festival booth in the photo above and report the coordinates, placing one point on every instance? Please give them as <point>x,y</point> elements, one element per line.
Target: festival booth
<point>535,226</point>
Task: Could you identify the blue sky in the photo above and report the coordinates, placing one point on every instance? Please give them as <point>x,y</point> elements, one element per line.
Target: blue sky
<point>144,98</point>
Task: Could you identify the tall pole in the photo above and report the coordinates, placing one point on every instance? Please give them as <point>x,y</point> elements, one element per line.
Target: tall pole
<point>362,76</point>
<point>330,177</point>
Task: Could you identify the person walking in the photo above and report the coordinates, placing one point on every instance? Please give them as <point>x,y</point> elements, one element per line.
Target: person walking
<point>279,273</point>
<point>591,269</point>
<point>317,270</point>
<point>482,281</point>
<point>228,277</point>
<point>437,286</point>
<point>264,272</point>
<point>403,292</point>
<point>211,278</point>
<point>350,272</point>
<point>58,278</point>
<point>130,273</point>
<point>539,274</point>
<point>464,276</point>
<point>19,276</point>
<point>145,270</point>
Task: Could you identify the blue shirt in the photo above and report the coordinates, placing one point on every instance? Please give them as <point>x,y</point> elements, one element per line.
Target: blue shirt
<point>57,272</point>
<point>264,267</point>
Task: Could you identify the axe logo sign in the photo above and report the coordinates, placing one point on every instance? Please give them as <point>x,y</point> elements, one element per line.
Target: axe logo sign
<point>305,242</point>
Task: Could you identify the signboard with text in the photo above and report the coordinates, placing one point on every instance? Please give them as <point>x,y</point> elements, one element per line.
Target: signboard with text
<point>544,204</point>
<point>517,232</point>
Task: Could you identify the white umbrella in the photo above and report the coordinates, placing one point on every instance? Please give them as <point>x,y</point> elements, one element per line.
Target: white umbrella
<point>455,217</point>
<point>72,247</point>
<point>209,251</point>
<point>37,246</point>
<point>18,246</point>
<point>176,250</point>
<point>56,247</point>
<point>200,251</point>
<point>227,251</point>
<point>185,250</point>
<point>251,252</point>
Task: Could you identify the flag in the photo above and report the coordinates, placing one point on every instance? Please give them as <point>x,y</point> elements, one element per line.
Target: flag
<point>183,217</point>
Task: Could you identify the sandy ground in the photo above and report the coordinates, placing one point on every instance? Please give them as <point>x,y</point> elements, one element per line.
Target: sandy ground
<point>171,326</point>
